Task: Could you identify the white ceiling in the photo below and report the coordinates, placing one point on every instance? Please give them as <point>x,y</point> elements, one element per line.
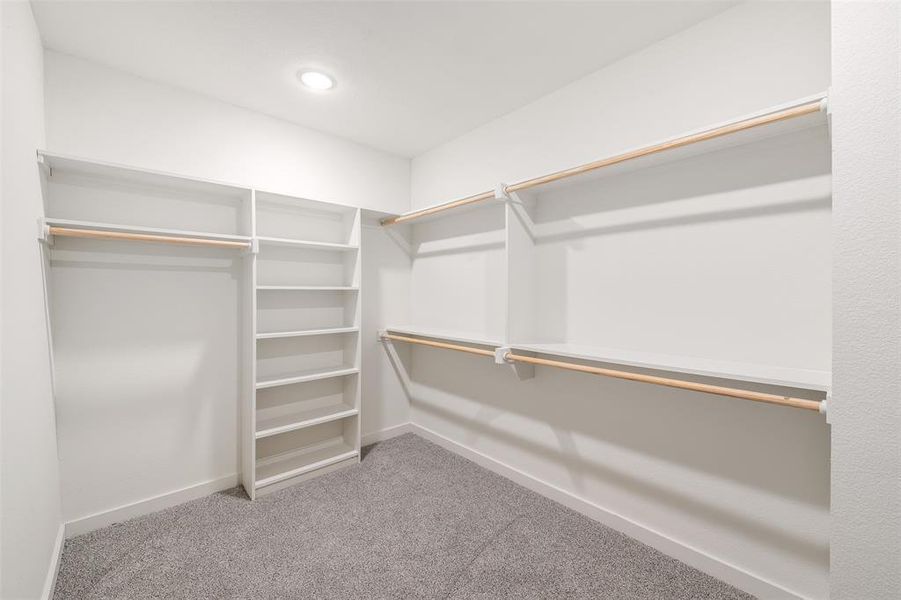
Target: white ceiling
<point>411,75</point>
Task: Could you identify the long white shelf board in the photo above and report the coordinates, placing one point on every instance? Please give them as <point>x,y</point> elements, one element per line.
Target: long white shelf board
<point>76,224</point>
<point>741,138</point>
<point>273,241</point>
<point>280,467</point>
<point>303,376</point>
<point>302,419</point>
<point>59,163</point>
<point>748,136</point>
<point>306,332</point>
<point>449,336</point>
<point>807,379</point>
<point>307,288</point>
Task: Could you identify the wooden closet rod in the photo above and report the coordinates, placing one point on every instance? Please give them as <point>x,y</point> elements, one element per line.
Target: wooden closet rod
<point>674,383</point>
<point>780,115</point>
<point>401,338</point>
<point>652,379</point>
<point>100,234</point>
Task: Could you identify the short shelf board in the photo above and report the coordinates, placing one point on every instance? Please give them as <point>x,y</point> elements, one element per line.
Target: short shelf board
<point>300,420</point>
<point>303,376</point>
<point>280,467</point>
<point>449,336</point>
<point>307,288</point>
<point>274,241</point>
<point>306,332</point>
<point>75,224</point>
<point>755,373</point>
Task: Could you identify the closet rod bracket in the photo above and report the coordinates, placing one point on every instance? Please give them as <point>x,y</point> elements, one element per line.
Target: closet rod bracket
<point>522,370</point>
<point>44,235</point>
<point>824,406</point>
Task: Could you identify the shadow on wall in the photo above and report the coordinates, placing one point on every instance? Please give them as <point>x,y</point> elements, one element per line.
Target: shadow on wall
<point>638,436</point>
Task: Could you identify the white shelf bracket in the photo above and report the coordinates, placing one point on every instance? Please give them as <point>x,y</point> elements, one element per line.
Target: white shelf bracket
<point>382,333</point>
<point>826,106</point>
<point>44,232</point>
<point>522,371</point>
<point>824,406</point>
<point>44,165</point>
<point>501,194</point>
<point>254,247</point>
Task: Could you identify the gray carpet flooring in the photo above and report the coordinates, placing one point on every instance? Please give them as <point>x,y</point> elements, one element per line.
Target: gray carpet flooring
<point>411,521</point>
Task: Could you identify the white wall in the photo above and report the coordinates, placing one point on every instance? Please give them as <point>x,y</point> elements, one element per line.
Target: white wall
<point>866,416</point>
<point>739,489</point>
<point>104,114</point>
<point>30,477</point>
<point>747,58</point>
<point>386,299</point>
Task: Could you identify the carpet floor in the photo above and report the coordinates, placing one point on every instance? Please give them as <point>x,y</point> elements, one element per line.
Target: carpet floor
<point>410,521</point>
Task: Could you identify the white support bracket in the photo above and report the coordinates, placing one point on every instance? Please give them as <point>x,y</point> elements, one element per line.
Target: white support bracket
<point>44,232</point>
<point>824,406</point>
<point>254,246</point>
<point>44,165</point>
<point>381,333</point>
<point>826,106</point>
<point>501,194</point>
<point>523,371</point>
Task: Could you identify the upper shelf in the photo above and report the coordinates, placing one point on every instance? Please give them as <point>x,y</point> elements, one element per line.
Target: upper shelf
<point>806,379</point>
<point>59,164</point>
<point>94,225</point>
<point>449,336</point>
<point>803,113</point>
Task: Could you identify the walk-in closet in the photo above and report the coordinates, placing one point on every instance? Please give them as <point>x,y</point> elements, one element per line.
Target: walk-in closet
<point>456,300</point>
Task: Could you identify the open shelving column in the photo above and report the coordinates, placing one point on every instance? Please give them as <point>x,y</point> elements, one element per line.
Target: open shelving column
<point>302,413</point>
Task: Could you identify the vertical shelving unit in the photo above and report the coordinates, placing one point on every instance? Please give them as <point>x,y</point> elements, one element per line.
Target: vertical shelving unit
<point>306,357</point>
<point>299,298</point>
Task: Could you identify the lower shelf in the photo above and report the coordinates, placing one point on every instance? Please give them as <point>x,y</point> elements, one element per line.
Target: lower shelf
<point>279,467</point>
<point>302,419</point>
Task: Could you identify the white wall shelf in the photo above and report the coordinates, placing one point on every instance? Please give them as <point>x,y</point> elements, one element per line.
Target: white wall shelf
<point>448,336</point>
<point>271,241</point>
<point>300,420</point>
<point>278,468</point>
<point>806,379</point>
<point>302,377</point>
<point>76,224</point>
<point>727,134</point>
<point>307,332</point>
<point>307,288</point>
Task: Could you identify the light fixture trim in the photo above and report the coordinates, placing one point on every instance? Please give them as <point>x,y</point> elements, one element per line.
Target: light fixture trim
<point>316,80</point>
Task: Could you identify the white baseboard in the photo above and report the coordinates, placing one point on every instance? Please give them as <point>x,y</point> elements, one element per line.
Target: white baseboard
<point>53,568</point>
<point>386,434</point>
<point>150,505</point>
<point>698,559</point>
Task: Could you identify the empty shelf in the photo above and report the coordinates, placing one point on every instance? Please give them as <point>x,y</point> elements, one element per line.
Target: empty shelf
<point>277,468</point>
<point>301,419</point>
<point>455,336</point>
<point>807,379</point>
<point>274,241</point>
<point>75,224</point>
<point>306,332</point>
<point>302,376</point>
<point>308,288</point>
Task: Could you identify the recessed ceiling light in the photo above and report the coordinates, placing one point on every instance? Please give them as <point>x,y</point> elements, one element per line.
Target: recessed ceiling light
<point>316,80</point>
